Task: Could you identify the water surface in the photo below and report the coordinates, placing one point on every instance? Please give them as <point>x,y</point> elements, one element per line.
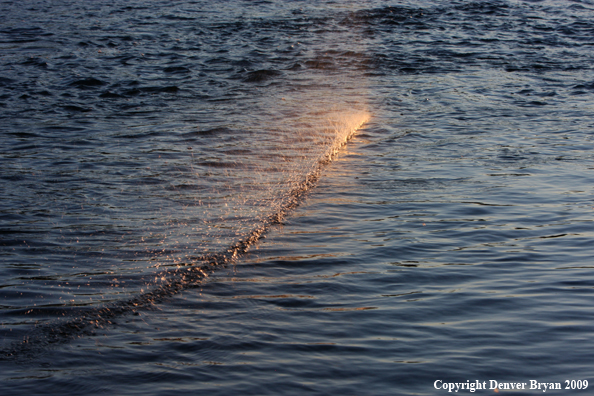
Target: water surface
<point>449,239</point>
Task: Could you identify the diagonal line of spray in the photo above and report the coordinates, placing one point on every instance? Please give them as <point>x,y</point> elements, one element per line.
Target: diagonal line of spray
<point>56,333</point>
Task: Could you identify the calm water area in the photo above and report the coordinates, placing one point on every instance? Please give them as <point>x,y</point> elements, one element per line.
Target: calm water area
<point>296,197</point>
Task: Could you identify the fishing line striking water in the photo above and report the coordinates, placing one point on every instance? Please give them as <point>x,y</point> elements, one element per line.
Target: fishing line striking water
<point>189,274</point>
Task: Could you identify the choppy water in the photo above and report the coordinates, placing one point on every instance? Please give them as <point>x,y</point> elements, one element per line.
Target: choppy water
<point>178,212</point>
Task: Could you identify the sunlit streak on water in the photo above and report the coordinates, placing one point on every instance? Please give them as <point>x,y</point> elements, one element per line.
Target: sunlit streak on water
<point>257,208</point>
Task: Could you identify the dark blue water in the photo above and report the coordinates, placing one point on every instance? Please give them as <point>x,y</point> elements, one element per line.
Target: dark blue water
<point>190,204</point>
